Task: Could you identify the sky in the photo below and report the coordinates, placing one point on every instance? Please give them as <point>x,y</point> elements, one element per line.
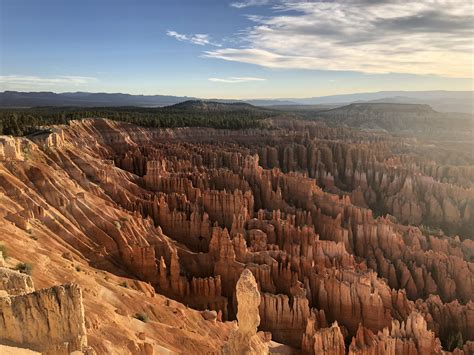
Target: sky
<point>236,48</point>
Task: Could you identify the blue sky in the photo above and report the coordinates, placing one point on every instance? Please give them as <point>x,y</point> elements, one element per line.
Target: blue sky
<point>235,49</point>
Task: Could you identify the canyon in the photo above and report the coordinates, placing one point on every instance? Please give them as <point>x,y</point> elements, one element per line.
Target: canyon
<point>297,238</point>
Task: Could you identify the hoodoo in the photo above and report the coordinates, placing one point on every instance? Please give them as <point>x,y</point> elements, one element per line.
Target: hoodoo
<point>138,223</point>
<point>309,236</point>
<point>244,340</point>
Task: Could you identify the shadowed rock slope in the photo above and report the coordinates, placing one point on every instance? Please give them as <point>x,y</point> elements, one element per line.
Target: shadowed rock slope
<point>147,221</point>
<point>418,119</point>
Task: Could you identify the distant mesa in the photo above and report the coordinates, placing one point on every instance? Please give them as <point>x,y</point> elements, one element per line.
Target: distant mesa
<point>203,105</point>
<point>443,101</point>
<point>396,117</point>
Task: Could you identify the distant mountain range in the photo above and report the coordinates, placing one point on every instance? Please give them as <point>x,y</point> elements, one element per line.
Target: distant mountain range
<point>443,101</point>
<point>395,117</point>
<point>440,100</point>
<point>85,99</point>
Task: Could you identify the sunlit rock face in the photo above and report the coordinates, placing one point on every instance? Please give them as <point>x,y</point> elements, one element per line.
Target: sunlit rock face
<point>48,321</point>
<point>244,340</point>
<point>10,148</point>
<point>324,240</point>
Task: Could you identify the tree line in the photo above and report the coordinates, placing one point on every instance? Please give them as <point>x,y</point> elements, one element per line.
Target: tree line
<point>23,121</point>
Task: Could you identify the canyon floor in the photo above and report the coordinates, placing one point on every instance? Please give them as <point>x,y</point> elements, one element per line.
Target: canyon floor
<point>358,242</point>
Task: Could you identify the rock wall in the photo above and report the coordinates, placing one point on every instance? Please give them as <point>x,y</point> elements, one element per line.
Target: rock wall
<point>10,148</point>
<point>14,283</point>
<point>48,321</point>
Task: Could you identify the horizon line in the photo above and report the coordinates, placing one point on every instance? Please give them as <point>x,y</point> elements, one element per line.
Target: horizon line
<point>242,99</point>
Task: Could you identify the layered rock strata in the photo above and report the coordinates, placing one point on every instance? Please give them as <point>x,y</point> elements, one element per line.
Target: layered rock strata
<point>49,321</point>
<point>302,207</point>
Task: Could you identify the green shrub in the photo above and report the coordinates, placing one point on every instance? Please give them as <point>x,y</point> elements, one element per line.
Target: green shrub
<point>141,316</point>
<point>24,268</point>
<point>32,236</point>
<point>26,150</point>
<point>454,341</point>
<point>123,284</point>
<point>117,225</point>
<point>427,230</point>
<point>4,251</point>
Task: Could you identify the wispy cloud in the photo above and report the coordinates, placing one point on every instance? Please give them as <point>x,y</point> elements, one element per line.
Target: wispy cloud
<point>198,38</point>
<point>235,79</point>
<point>429,37</point>
<point>33,81</point>
<point>247,3</point>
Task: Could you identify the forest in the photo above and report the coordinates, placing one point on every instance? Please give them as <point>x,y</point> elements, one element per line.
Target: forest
<point>23,121</point>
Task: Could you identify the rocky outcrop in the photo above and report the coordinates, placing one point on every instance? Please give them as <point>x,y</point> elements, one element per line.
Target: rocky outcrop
<point>201,293</point>
<point>448,320</point>
<point>222,207</point>
<point>48,138</point>
<point>286,321</point>
<point>10,148</point>
<point>14,283</point>
<point>321,339</point>
<point>244,339</point>
<point>411,337</point>
<point>49,321</point>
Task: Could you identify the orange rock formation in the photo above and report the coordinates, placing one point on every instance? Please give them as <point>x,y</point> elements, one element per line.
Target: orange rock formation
<point>339,228</point>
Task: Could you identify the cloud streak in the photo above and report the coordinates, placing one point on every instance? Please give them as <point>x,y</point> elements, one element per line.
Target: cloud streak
<point>429,37</point>
<point>247,3</point>
<point>235,79</point>
<point>199,38</point>
<point>37,81</point>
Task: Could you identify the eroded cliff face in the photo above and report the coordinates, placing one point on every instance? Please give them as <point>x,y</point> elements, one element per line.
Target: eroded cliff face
<point>10,148</point>
<point>50,321</point>
<point>14,283</point>
<point>188,211</point>
<point>411,337</point>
